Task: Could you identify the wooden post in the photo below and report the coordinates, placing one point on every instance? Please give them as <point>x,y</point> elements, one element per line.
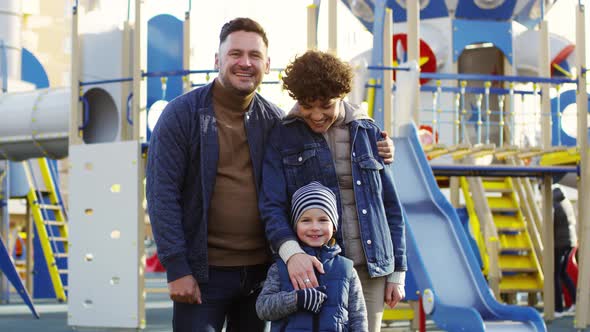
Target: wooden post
<point>547,206</point>
<point>75,118</point>
<point>413,51</point>
<point>186,51</point>
<point>387,77</point>
<point>548,249</point>
<point>332,27</point>
<point>137,74</point>
<point>582,318</point>
<point>312,27</point>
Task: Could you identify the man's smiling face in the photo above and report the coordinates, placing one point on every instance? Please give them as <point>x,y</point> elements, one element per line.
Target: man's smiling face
<point>242,62</point>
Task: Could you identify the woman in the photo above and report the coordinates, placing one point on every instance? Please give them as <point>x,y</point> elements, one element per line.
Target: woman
<point>326,139</point>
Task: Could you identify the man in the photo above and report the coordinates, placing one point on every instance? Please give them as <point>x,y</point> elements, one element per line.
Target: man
<point>204,172</point>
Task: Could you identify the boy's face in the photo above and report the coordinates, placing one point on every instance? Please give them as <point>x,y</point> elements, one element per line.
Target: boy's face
<point>242,62</point>
<point>320,114</point>
<point>314,228</point>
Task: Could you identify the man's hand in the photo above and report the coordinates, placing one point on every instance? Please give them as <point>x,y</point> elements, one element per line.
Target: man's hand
<point>185,290</point>
<point>301,271</point>
<point>394,293</point>
<point>386,148</point>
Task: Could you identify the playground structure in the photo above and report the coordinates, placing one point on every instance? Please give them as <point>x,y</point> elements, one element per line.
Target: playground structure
<point>468,127</point>
<point>104,145</point>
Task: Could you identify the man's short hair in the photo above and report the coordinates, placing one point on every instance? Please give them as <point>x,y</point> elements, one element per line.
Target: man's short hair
<point>242,24</point>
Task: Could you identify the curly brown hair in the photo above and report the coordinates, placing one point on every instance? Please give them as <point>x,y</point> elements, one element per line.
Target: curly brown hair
<point>317,75</point>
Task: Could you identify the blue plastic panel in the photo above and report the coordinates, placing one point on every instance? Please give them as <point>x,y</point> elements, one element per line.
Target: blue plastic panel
<point>468,9</point>
<point>566,98</point>
<point>377,60</point>
<point>467,32</point>
<point>434,9</point>
<point>164,53</point>
<point>32,70</point>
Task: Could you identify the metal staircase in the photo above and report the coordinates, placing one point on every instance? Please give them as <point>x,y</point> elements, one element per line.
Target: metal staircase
<point>50,222</point>
<point>517,258</point>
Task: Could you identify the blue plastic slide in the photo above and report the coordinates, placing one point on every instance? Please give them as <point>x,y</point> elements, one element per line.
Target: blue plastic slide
<point>439,256</point>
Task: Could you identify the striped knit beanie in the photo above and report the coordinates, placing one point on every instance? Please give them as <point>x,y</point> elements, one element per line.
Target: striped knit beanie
<point>314,196</point>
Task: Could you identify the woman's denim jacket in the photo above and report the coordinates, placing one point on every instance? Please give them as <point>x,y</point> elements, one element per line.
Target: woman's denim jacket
<point>296,156</point>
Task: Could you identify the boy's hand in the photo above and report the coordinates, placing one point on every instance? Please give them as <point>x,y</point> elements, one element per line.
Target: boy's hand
<point>311,299</point>
<point>185,290</point>
<point>301,270</point>
<point>386,148</point>
<point>394,293</point>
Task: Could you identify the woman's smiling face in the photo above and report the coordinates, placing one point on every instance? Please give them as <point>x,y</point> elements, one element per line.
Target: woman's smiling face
<point>320,114</point>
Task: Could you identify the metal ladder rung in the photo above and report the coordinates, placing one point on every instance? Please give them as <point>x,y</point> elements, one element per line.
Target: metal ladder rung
<point>53,223</point>
<point>61,255</point>
<point>50,207</point>
<point>57,239</point>
<point>62,271</point>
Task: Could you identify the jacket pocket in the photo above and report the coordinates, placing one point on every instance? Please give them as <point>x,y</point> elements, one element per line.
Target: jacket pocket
<point>369,169</point>
<point>300,168</point>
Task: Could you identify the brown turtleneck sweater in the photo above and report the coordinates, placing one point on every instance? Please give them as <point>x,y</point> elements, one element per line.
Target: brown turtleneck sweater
<point>235,231</point>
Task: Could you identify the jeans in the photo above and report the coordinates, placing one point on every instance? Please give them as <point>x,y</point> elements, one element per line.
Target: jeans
<point>230,294</point>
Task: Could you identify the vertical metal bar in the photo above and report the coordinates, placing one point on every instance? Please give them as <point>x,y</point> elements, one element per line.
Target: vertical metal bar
<point>523,116</point>
<point>512,116</point>
<point>433,110</point>
<point>501,121</point>
<point>456,119</point>
<point>479,122</point>
<point>438,111</point>
<point>558,113</point>
<point>538,112</point>
<point>488,111</point>
<point>463,112</point>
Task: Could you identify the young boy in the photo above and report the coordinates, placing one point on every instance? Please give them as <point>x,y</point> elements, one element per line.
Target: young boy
<point>338,303</point>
